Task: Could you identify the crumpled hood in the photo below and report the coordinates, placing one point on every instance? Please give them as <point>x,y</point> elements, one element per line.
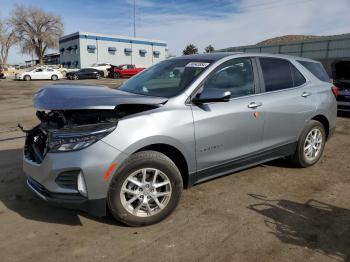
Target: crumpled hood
<point>71,97</point>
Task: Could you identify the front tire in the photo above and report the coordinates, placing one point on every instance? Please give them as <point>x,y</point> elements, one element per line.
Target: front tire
<point>145,189</point>
<point>116,75</point>
<point>27,78</point>
<point>310,145</point>
<point>75,77</point>
<point>54,77</point>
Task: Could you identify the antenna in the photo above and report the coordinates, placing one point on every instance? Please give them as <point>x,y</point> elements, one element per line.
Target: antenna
<point>134,18</point>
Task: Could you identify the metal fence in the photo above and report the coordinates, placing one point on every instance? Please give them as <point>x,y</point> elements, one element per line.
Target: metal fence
<point>332,47</point>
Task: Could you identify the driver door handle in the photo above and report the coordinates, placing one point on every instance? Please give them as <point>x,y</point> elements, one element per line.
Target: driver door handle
<point>254,105</point>
<point>306,94</point>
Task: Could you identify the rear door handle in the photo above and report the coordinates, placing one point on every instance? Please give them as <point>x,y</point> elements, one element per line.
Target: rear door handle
<point>306,94</point>
<point>254,105</point>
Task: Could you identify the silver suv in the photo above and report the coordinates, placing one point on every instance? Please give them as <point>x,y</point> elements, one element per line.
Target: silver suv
<point>183,121</point>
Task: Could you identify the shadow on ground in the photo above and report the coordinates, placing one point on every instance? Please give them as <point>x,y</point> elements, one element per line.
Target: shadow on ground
<point>313,224</point>
<point>16,196</point>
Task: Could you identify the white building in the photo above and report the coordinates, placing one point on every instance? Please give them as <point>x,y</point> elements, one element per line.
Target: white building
<point>82,49</point>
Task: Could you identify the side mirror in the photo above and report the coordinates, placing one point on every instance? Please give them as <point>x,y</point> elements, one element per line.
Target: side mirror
<point>212,95</point>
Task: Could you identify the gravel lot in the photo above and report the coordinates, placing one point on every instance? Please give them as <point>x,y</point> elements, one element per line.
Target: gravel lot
<point>271,212</point>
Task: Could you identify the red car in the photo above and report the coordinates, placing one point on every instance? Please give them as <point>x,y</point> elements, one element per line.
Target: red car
<point>126,70</point>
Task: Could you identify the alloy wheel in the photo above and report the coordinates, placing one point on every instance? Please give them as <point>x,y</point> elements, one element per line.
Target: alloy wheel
<point>313,144</point>
<point>146,192</point>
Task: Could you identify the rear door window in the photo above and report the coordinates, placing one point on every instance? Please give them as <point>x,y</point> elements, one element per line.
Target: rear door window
<point>277,74</point>
<point>280,74</point>
<point>316,69</point>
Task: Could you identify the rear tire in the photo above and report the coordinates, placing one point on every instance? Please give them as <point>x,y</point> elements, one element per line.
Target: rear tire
<point>135,198</point>
<point>27,78</point>
<point>310,145</point>
<point>54,77</point>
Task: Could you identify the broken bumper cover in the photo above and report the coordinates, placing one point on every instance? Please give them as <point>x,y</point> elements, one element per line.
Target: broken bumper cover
<point>96,207</point>
<point>92,162</point>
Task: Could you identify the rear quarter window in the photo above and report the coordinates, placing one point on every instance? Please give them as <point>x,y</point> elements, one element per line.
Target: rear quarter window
<point>316,69</point>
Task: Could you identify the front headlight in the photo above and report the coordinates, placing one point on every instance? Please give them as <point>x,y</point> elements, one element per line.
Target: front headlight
<point>62,141</point>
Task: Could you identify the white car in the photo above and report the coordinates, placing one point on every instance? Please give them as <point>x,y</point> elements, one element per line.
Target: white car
<point>40,74</point>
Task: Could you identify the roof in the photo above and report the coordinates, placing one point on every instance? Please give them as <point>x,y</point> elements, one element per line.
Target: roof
<point>108,37</point>
<point>214,56</point>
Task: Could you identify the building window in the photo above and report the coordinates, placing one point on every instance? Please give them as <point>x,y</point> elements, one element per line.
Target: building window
<point>127,51</point>
<point>143,52</point>
<point>156,53</point>
<point>112,50</point>
<point>69,49</point>
<point>91,48</point>
<point>75,48</point>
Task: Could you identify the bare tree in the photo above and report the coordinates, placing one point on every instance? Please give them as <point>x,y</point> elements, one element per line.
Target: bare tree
<point>36,30</point>
<point>7,40</point>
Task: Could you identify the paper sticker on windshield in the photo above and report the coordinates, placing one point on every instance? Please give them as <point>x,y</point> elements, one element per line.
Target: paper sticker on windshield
<point>197,64</point>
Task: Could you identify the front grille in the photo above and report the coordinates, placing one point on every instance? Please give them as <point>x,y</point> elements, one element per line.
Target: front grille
<point>68,179</point>
<point>36,145</point>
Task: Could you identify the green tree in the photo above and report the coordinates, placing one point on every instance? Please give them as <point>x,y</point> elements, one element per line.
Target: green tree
<point>190,50</point>
<point>209,49</point>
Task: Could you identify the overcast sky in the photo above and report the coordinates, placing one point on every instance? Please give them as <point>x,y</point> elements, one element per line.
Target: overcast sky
<point>220,23</point>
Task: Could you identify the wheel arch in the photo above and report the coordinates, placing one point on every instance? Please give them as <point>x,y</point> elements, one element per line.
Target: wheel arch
<point>30,77</point>
<point>175,155</point>
<point>324,121</point>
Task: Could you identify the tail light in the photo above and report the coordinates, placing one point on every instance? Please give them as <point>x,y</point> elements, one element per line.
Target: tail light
<point>335,91</point>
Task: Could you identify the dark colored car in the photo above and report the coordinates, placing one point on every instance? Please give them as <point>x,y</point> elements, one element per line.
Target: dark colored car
<point>343,97</point>
<point>85,73</point>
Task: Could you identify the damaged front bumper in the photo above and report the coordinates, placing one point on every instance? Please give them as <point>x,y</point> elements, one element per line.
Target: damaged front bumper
<point>55,178</point>
<point>95,207</point>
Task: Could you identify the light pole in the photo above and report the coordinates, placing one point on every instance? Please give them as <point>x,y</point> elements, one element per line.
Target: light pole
<point>134,18</point>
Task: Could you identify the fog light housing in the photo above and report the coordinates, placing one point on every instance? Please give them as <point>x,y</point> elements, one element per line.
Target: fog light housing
<point>81,185</point>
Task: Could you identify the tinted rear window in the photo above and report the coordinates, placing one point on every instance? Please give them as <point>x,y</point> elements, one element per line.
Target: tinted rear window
<point>277,74</point>
<point>316,69</point>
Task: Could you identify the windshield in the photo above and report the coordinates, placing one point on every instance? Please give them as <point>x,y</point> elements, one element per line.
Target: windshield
<point>165,79</point>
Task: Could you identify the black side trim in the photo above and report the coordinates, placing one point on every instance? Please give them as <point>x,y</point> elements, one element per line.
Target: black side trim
<point>243,162</point>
